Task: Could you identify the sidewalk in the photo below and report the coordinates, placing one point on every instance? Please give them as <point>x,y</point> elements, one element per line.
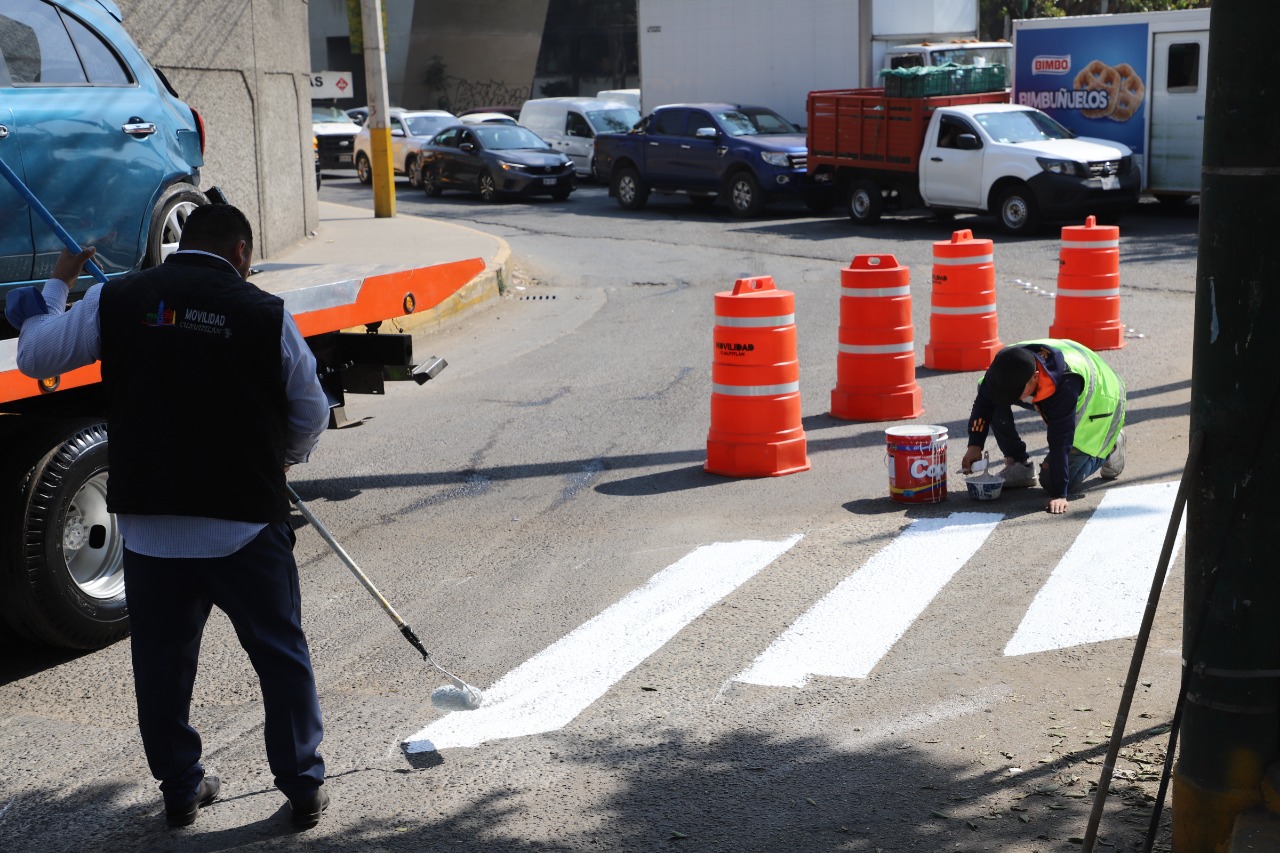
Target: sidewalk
<point>351,245</point>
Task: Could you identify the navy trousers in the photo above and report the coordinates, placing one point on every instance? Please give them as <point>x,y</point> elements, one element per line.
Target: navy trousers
<point>169,603</point>
<point>1079,465</point>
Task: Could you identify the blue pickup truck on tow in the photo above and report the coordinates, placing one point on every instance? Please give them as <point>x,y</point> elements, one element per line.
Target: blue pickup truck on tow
<point>743,154</point>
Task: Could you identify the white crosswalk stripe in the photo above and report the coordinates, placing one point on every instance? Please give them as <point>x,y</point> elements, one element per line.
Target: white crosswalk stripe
<point>1097,592</point>
<point>1099,589</point>
<point>852,627</point>
<point>551,688</point>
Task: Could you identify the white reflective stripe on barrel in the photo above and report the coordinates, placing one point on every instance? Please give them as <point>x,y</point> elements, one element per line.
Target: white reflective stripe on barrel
<point>959,262</point>
<point>1080,291</point>
<point>1091,244</point>
<point>905,290</point>
<point>876,349</point>
<point>756,322</point>
<point>755,390</point>
<point>966,309</point>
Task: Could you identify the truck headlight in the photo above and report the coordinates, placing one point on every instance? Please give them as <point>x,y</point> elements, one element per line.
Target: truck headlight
<point>1063,167</point>
<point>776,158</point>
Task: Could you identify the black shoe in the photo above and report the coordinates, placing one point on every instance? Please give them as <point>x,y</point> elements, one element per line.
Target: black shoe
<point>186,815</point>
<point>307,808</point>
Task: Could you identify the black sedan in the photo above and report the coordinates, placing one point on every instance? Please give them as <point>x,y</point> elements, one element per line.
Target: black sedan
<point>494,160</point>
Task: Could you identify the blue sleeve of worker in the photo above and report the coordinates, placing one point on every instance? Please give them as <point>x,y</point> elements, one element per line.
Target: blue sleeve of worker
<point>21,304</point>
<point>1059,413</point>
<point>980,418</point>
<point>60,339</point>
<point>308,406</point>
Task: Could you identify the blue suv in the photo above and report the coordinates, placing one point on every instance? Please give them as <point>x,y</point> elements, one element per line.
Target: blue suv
<point>97,134</point>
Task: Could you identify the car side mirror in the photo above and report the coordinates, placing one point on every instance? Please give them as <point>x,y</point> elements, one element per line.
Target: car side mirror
<point>705,133</point>
<point>968,142</point>
<point>468,147</point>
<point>397,132</point>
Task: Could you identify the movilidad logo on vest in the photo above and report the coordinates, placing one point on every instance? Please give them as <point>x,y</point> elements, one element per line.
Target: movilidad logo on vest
<point>161,317</point>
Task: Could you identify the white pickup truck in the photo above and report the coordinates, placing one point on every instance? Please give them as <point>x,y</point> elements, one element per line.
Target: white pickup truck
<point>973,152</point>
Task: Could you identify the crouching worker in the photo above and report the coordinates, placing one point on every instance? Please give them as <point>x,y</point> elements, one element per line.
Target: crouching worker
<point>1081,400</point>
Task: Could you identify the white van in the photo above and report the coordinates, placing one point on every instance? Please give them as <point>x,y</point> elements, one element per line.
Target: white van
<point>631,97</point>
<point>571,124</point>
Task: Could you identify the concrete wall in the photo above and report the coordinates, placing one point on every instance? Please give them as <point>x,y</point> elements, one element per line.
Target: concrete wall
<point>244,66</point>
<point>489,49</point>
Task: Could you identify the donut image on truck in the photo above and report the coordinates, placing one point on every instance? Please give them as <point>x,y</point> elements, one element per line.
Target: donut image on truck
<point>1138,79</point>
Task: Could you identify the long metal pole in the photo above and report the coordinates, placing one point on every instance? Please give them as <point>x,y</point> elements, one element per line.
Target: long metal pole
<point>375,76</point>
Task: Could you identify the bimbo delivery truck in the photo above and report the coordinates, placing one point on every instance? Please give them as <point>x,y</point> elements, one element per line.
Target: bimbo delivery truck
<point>1138,79</point>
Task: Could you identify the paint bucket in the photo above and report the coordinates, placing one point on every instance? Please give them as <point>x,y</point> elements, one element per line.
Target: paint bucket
<point>916,457</point>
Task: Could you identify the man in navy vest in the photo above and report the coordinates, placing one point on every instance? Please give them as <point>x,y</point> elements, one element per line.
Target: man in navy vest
<point>211,395</point>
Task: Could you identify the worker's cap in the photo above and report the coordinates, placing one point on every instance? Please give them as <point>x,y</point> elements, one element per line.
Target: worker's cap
<point>1009,373</point>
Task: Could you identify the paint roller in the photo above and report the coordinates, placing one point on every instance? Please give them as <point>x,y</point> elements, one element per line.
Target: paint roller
<point>48,217</point>
<point>455,696</point>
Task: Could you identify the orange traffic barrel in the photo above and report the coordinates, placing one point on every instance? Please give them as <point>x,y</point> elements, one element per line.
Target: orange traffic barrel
<point>1087,305</point>
<point>755,384</point>
<point>876,362</point>
<point>962,316</point>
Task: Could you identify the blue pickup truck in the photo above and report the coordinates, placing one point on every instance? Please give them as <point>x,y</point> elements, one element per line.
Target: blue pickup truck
<point>744,154</point>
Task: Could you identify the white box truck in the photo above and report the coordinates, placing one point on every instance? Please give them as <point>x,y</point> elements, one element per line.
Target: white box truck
<point>763,53</point>
<point>1137,78</point>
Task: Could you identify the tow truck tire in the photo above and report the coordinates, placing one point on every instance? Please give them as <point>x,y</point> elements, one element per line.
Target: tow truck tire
<point>630,188</point>
<point>1016,210</point>
<point>168,218</point>
<point>364,169</point>
<point>866,202</point>
<point>745,198</point>
<point>62,573</point>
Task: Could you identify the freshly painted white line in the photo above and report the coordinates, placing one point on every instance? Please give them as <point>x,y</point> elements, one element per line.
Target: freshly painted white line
<point>847,632</point>
<point>1099,589</point>
<point>547,691</point>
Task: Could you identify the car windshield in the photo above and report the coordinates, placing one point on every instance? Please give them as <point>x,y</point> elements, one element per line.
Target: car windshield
<point>427,125</point>
<point>498,137</point>
<point>321,113</point>
<point>613,121</point>
<point>754,121</point>
<point>1021,126</point>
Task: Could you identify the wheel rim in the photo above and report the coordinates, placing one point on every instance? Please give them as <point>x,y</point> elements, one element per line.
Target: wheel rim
<point>626,189</point>
<point>487,188</point>
<point>99,572</point>
<point>415,174</point>
<point>362,169</point>
<point>171,232</point>
<point>860,203</point>
<point>429,181</point>
<point>1014,211</point>
<point>742,194</point>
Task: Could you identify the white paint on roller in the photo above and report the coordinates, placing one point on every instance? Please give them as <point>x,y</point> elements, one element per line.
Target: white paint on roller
<point>547,691</point>
<point>1099,590</point>
<point>847,632</point>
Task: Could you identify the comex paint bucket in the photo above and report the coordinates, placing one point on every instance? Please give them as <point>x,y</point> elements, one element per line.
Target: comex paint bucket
<point>917,462</point>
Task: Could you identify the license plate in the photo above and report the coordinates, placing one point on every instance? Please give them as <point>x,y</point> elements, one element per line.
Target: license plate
<point>549,182</point>
<point>1110,182</point>
<point>344,158</point>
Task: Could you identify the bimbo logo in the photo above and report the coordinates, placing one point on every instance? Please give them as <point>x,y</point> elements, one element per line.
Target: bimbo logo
<point>1051,65</point>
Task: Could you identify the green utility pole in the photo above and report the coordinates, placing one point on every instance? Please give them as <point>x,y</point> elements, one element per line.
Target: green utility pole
<point>375,75</point>
<point>1230,732</point>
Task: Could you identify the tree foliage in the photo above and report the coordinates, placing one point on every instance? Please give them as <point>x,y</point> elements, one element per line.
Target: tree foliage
<point>994,13</point>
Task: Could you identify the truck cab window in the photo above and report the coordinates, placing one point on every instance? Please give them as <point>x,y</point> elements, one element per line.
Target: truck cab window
<point>697,121</point>
<point>949,132</point>
<point>1184,68</point>
<point>669,123</point>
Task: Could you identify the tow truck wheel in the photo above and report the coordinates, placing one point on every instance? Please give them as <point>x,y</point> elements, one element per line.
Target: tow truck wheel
<point>630,188</point>
<point>745,197</point>
<point>62,578</point>
<point>866,203</point>
<point>1016,210</point>
<point>168,218</point>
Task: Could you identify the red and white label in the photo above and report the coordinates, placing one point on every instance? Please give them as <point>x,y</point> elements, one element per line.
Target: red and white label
<point>1051,65</point>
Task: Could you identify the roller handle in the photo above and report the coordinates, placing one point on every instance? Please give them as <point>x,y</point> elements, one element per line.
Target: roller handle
<point>48,217</point>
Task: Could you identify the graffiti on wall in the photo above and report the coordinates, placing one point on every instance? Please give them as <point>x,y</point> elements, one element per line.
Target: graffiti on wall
<point>463,94</point>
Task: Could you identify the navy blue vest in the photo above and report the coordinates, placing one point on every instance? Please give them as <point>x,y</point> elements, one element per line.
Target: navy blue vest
<point>196,403</point>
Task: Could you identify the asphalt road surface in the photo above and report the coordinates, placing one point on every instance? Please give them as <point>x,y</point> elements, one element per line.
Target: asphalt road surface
<point>676,660</point>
